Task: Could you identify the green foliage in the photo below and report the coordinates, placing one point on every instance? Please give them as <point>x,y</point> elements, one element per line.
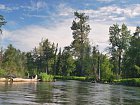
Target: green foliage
<point>75,78</point>
<point>137,68</point>
<point>80,43</point>
<point>14,61</point>
<point>43,58</point>
<point>131,60</point>
<point>66,62</point>
<point>2,22</point>
<point>129,81</point>
<point>106,69</point>
<point>119,39</point>
<point>46,78</point>
<point>2,73</point>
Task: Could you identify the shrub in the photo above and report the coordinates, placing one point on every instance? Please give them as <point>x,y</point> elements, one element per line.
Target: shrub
<point>45,77</point>
<point>2,73</point>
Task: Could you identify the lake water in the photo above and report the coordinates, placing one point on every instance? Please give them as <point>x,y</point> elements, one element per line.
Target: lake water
<point>68,93</point>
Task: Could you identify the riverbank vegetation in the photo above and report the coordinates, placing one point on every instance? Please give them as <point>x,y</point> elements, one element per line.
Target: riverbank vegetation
<point>46,78</point>
<point>75,78</point>
<point>80,60</point>
<point>128,81</point>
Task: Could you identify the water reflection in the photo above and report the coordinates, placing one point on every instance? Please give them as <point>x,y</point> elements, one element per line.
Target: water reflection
<point>67,93</point>
<point>44,93</point>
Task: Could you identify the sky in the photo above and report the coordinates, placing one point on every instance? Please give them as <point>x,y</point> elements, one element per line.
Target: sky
<point>30,21</point>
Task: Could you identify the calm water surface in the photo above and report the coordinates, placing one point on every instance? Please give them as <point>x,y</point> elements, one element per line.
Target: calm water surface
<point>68,93</point>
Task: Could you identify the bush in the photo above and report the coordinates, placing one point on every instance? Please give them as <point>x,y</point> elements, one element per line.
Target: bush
<point>2,73</point>
<point>45,77</point>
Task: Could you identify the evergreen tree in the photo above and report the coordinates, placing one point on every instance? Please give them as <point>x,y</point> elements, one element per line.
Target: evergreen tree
<point>94,61</point>
<point>68,65</point>
<point>2,22</point>
<point>80,44</point>
<point>59,63</point>
<point>14,61</point>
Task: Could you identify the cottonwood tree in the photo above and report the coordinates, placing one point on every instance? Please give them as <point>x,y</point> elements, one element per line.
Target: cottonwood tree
<point>119,39</point>
<point>131,59</point>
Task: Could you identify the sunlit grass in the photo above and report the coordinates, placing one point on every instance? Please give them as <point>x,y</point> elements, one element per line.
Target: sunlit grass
<point>74,78</point>
<point>128,81</point>
<point>45,77</point>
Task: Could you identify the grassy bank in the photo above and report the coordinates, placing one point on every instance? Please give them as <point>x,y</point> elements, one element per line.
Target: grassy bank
<point>45,77</point>
<point>75,78</point>
<point>128,82</point>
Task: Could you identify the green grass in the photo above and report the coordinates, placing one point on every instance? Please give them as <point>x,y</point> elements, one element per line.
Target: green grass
<point>2,73</point>
<point>128,81</point>
<point>46,78</point>
<point>74,78</point>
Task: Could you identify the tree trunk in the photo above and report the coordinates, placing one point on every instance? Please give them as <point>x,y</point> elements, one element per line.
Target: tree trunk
<point>119,62</point>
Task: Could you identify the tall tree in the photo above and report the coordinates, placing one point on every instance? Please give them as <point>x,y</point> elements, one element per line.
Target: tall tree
<point>59,63</point>
<point>55,58</point>
<point>81,29</point>
<point>119,39</point>
<point>2,22</point>
<point>131,59</point>
<point>94,61</point>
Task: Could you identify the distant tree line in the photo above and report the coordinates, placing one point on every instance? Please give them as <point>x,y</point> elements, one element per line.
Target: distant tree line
<point>79,58</point>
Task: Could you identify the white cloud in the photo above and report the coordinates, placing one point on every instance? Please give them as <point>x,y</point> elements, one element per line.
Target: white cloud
<point>64,10</point>
<point>27,38</point>
<point>105,0</point>
<point>6,8</point>
<point>38,5</point>
<point>2,7</point>
<point>36,15</point>
<point>34,6</point>
<point>113,13</point>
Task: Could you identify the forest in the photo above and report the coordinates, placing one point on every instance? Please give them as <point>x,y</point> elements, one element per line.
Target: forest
<point>80,58</point>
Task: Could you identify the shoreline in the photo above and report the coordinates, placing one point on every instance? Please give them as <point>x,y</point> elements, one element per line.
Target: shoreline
<point>18,80</point>
<point>127,82</point>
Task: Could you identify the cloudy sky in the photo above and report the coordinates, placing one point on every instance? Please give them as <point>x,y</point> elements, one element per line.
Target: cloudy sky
<point>28,21</point>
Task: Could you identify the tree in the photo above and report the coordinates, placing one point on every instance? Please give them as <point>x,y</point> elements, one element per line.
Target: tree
<point>2,22</point>
<point>44,56</point>
<point>68,63</point>
<point>131,59</point>
<point>119,39</point>
<point>59,63</point>
<point>94,62</point>
<point>14,61</point>
<point>106,68</point>
<point>48,56</point>
<point>30,63</point>
<point>80,44</point>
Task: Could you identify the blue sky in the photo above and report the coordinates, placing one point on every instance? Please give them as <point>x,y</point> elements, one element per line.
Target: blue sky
<point>28,21</point>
